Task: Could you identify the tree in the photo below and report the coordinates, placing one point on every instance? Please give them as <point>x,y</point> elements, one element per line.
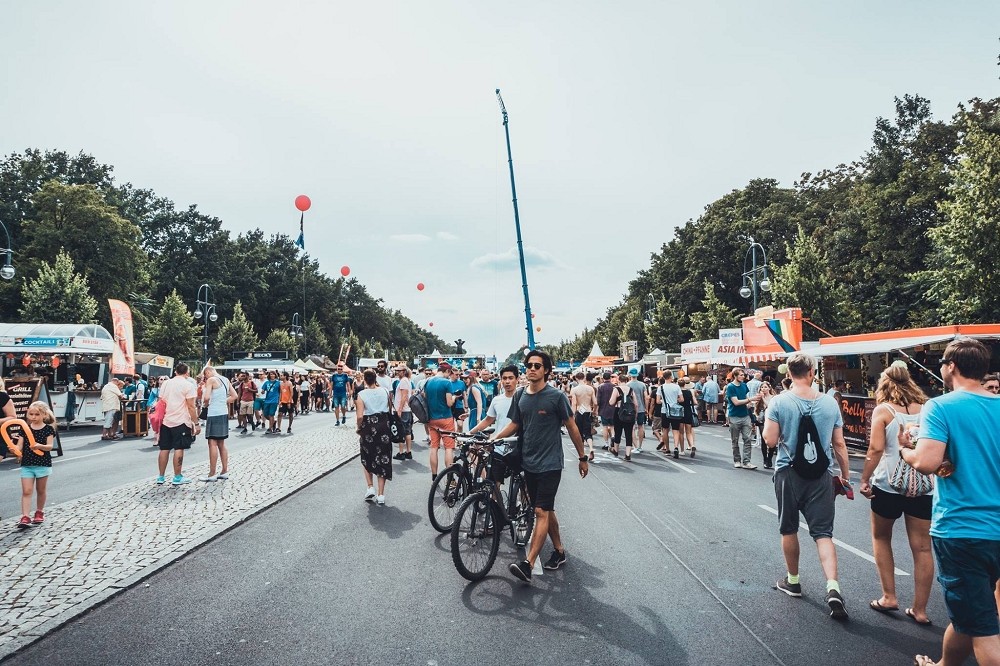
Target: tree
<point>236,334</point>
<point>280,339</point>
<point>705,325</point>
<point>966,246</point>
<point>173,332</point>
<point>316,341</point>
<point>58,295</point>
<point>807,282</point>
<point>103,245</point>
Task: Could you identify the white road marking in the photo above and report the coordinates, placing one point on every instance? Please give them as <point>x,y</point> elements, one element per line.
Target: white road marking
<point>680,466</point>
<point>87,455</point>
<point>849,548</point>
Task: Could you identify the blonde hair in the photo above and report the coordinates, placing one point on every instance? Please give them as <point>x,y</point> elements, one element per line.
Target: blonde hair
<point>799,364</point>
<point>896,386</point>
<point>47,415</point>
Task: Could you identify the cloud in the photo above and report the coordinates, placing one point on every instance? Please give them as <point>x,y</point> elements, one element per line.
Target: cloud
<point>508,261</point>
<point>409,238</point>
<point>446,236</point>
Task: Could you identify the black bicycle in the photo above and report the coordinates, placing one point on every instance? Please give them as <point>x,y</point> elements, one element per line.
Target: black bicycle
<point>452,484</point>
<point>479,520</point>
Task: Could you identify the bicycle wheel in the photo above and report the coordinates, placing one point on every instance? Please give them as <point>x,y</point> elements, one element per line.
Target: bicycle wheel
<point>520,511</point>
<point>450,487</point>
<point>475,538</point>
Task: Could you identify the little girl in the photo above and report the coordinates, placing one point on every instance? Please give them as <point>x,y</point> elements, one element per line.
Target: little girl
<point>35,468</point>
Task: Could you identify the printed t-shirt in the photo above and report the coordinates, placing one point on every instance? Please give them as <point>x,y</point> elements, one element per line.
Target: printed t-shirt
<point>31,459</point>
<point>339,382</point>
<point>271,389</point>
<point>540,417</point>
<point>967,503</point>
<point>786,410</point>
<point>248,390</point>
<point>176,391</point>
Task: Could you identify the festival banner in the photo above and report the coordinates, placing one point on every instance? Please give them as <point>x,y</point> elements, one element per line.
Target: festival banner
<point>123,355</point>
<point>775,336</point>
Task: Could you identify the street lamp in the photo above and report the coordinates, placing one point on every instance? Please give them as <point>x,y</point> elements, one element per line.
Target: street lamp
<point>7,272</point>
<point>205,310</point>
<point>751,281</point>
<point>296,331</point>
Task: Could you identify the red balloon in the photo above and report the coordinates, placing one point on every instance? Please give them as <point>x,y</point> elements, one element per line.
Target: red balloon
<point>302,202</point>
<point>345,270</point>
<point>420,286</point>
<point>532,315</point>
<point>432,324</point>
<point>538,329</point>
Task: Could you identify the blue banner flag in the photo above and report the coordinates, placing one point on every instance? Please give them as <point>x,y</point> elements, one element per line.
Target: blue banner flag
<point>301,241</point>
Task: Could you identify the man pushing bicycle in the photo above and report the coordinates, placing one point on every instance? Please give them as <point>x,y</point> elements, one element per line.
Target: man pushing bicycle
<point>538,413</point>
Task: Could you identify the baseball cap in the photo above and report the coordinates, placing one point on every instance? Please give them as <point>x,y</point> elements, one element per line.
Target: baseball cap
<point>444,365</point>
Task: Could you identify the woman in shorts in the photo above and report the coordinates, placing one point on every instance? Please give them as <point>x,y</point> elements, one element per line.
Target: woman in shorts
<point>899,401</point>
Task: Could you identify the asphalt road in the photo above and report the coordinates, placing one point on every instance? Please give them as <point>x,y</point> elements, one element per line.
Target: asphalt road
<point>89,464</point>
<point>670,562</point>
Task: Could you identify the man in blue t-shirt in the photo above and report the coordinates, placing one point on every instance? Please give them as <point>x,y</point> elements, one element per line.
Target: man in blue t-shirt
<point>959,439</point>
<point>339,382</point>
<point>813,498</point>
<point>271,389</point>
<point>737,408</point>
<point>440,393</point>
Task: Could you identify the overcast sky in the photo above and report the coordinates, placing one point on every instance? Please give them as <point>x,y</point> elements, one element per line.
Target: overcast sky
<point>626,119</point>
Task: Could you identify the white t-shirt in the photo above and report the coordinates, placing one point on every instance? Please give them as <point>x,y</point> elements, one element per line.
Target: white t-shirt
<point>670,394</point>
<point>376,400</point>
<point>384,381</point>
<point>499,407</point>
<point>403,385</point>
<point>305,386</point>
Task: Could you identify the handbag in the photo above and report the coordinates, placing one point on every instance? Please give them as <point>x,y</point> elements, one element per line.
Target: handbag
<point>695,421</point>
<point>907,481</point>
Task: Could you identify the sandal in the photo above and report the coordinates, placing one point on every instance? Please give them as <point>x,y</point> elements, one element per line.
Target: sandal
<point>877,606</point>
<point>923,623</point>
<point>591,456</point>
<point>923,660</point>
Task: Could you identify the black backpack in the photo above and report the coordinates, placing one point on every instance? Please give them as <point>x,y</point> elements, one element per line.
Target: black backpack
<point>810,460</point>
<point>418,406</point>
<point>626,408</point>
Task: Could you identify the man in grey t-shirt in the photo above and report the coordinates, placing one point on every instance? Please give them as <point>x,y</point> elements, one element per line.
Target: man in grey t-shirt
<point>538,413</point>
<point>639,392</point>
<point>813,498</point>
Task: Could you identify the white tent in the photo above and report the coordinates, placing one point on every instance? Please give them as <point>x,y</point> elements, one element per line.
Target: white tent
<point>596,351</point>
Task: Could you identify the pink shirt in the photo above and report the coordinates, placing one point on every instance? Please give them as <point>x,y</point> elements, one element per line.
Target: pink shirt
<point>175,392</point>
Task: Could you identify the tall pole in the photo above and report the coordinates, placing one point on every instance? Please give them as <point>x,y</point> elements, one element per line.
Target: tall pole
<point>205,310</point>
<point>753,261</point>
<point>517,227</point>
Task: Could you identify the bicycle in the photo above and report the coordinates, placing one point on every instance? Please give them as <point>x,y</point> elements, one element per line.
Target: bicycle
<point>451,485</point>
<point>475,536</point>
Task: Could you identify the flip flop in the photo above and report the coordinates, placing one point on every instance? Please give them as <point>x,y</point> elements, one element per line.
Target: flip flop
<point>877,606</point>
<point>922,623</point>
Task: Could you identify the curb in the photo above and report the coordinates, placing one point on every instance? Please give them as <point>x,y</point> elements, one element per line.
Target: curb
<point>98,598</point>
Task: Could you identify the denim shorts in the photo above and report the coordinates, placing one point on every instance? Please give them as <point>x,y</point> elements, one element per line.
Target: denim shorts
<point>968,570</point>
<point>35,472</point>
<point>270,409</point>
<point>339,400</point>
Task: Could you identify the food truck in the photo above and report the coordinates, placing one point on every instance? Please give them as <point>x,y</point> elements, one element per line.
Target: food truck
<point>60,354</point>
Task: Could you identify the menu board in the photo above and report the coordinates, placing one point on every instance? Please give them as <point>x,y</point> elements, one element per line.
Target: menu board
<point>22,393</point>
<point>857,411</point>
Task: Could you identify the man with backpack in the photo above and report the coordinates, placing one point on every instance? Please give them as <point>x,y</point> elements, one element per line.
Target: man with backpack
<point>807,428</point>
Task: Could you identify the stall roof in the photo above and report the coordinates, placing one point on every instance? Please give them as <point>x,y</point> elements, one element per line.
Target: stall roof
<point>877,343</point>
<point>56,338</point>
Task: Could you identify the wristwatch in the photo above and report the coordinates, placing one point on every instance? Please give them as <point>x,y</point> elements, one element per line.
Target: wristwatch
<point>584,458</point>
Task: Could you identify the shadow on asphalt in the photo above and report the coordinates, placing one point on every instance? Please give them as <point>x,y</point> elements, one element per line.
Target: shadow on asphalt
<point>561,601</point>
<point>391,521</point>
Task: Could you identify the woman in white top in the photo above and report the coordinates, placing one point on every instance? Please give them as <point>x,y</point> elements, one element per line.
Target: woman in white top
<point>372,409</point>
<point>899,402</point>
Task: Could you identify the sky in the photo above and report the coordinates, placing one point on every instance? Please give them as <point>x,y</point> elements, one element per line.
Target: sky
<point>626,120</point>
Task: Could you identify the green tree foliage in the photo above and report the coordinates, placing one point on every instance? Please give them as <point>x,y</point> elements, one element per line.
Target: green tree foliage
<point>173,332</point>
<point>58,295</point>
<point>807,281</point>
<point>715,314</point>
<point>280,339</point>
<point>962,278</point>
<point>316,342</point>
<point>235,334</point>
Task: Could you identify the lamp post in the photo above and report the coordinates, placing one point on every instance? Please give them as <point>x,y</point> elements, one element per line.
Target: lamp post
<point>296,331</point>
<point>7,272</point>
<point>751,280</point>
<point>205,310</point>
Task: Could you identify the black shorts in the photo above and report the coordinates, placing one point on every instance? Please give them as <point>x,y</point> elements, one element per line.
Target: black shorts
<point>584,423</point>
<point>893,505</point>
<point>675,424</point>
<point>542,488</point>
<point>286,408</point>
<point>176,438</point>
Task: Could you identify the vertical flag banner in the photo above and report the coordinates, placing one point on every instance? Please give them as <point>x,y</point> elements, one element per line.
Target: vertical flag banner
<point>123,355</point>
<point>301,241</point>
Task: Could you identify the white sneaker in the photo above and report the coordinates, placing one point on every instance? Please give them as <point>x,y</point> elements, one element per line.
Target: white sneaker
<point>370,495</point>
<point>223,476</point>
<point>737,465</point>
<point>208,478</point>
<point>637,450</point>
<point>380,500</point>
<point>749,466</point>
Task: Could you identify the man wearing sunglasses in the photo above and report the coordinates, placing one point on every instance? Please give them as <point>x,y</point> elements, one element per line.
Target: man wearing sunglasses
<point>537,413</point>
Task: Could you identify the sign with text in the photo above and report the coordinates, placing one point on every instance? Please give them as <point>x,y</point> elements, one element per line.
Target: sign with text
<point>857,411</point>
<point>240,355</point>
<point>22,393</point>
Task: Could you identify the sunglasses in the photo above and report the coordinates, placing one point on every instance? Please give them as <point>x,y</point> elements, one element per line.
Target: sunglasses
<point>993,387</point>
<point>534,366</point>
<point>945,361</point>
